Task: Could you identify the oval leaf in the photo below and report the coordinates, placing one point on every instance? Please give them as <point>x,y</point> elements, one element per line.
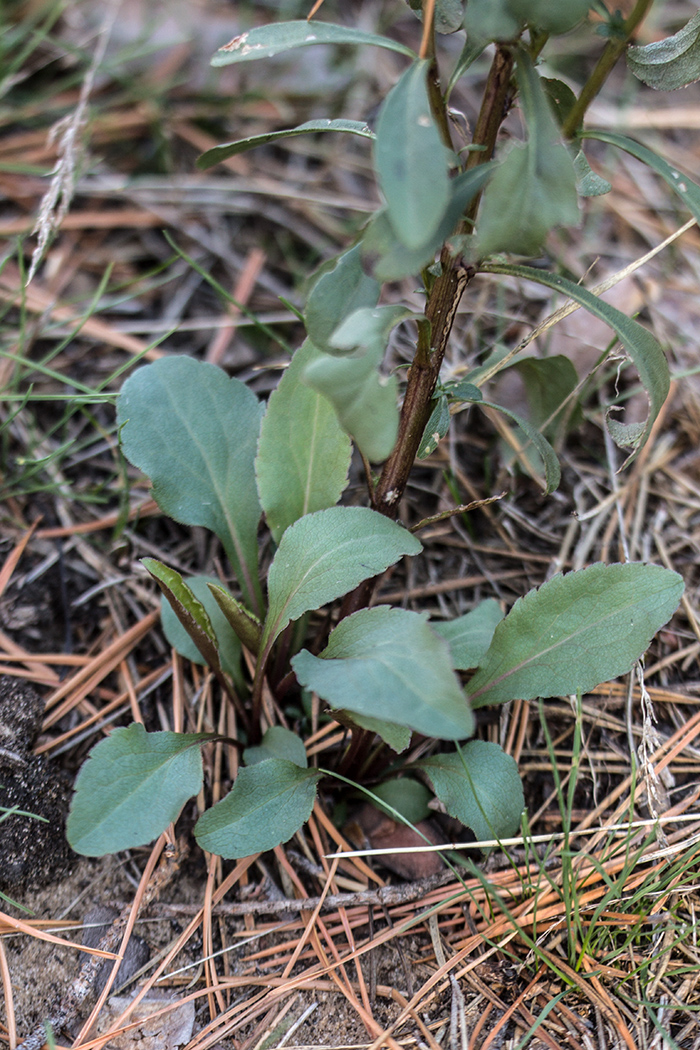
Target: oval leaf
<point>226,639</point>
<point>410,159</point>
<point>337,293</point>
<point>479,787</point>
<point>575,632</point>
<point>266,41</point>
<point>324,555</point>
<point>671,63</point>
<point>278,742</point>
<point>194,432</point>
<point>388,664</point>
<point>406,796</point>
<point>267,804</point>
<point>304,453</point>
<point>469,636</point>
<point>311,127</point>
<point>132,786</point>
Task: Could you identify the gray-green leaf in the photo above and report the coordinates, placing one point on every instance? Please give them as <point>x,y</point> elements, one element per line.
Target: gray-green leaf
<point>480,788</point>
<point>449,14</point>
<point>671,63</point>
<point>406,796</point>
<point>311,127</point>
<point>194,432</point>
<point>266,41</point>
<point>304,453</point>
<point>132,786</point>
<point>324,555</point>
<point>410,160</point>
<point>389,664</point>
<point>267,804</point>
<point>469,636</point>
<point>337,293</point>
<point>278,742</point>
<point>575,632</point>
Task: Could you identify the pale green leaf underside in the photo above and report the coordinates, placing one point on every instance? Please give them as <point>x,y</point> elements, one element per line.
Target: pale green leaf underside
<point>310,127</point>
<point>481,788</point>
<point>576,631</point>
<point>389,664</point>
<point>266,41</point>
<point>132,786</point>
<point>268,802</point>
<point>324,555</point>
<point>336,294</point>
<point>671,63</point>
<point>194,432</point>
<point>304,453</point>
<point>469,636</point>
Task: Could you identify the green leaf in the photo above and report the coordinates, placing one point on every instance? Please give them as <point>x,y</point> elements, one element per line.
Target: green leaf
<point>370,327</point>
<point>486,20</point>
<point>549,383</point>
<point>390,259</point>
<point>244,623</point>
<point>560,97</point>
<point>397,737</point>
<point>534,189</point>
<point>588,182</point>
<point>407,796</point>
<point>671,63</point>
<point>575,632</point>
<point>687,190</point>
<point>480,788</point>
<point>469,636</point>
<point>278,742</point>
<point>337,293</point>
<point>267,804</point>
<point>266,41</point>
<point>226,640</point>
<point>551,16</point>
<point>449,14</point>
<point>409,159</point>
<point>324,555</point>
<point>311,127</point>
<point>132,786</point>
<point>639,344</point>
<point>552,471</point>
<point>303,453</point>
<point>389,664</point>
<point>194,432</point>
<point>436,427</point>
<point>191,613</point>
<point>364,400</point>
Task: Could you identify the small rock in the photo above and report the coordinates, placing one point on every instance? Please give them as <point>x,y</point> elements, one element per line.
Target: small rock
<point>171,1029</point>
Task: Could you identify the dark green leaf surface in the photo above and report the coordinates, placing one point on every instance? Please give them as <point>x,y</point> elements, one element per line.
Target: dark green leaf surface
<point>266,41</point>
<point>486,20</point>
<point>549,383</point>
<point>551,16</point>
<point>336,294</point>
<point>389,664</point>
<point>304,453</point>
<point>409,159</point>
<point>449,14</point>
<point>278,742</point>
<point>397,737</point>
<point>408,796</point>
<point>671,63</point>
<point>311,127</point>
<point>191,613</point>
<point>227,643</point>
<point>481,788</point>
<point>243,622</point>
<point>267,804</point>
<point>469,636</point>
<point>324,555</point>
<point>194,432</point>
<point>575,632</point>
<point>639,344</point>
<point>132,786</point>
<point>436,427</point>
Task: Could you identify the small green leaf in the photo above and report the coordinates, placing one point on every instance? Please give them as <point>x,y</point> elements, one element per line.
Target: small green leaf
<point>303,453</point>
<point>575,632</point>
<point>436,427</point>
<point>132,786</point>
<point>410,160</point>
<point>227,644</point>
<point>560,97</point>
<point>244,623</point>
<point>463,391</point>
<point>588,182</point>
<point>687,190</point>
<point>194,432</point>
<point>388,664</point>
<point>480,788</point>
<point>486,20</point>
<point>191,613</point>
<point>337,293</point>
<point>407,796</point>
<point>364,400</point>
<point>267,804</point>
<point>278,742</point>
<point>671,63</point>
<point>311,127</point>
<point>397,737</point>
<point>549,383</point>
<point>449,14</point>
<point>534,189</point>
<point>469,636</point>
<point>324,555</point>
<point>551,16</point>
<point>391,259</point>
<point>370,327</point>
<point>639,344</point>
<point>266,41</point>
